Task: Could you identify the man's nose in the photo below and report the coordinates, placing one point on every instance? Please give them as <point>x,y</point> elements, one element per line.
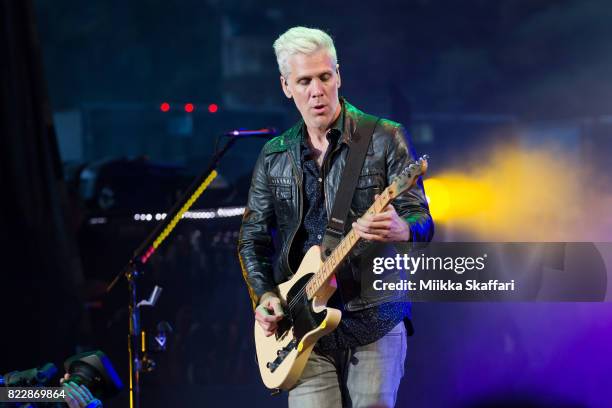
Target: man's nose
<point>316,88</point>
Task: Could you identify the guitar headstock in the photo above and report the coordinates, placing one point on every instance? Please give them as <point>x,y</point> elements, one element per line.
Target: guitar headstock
<point>408,177</point>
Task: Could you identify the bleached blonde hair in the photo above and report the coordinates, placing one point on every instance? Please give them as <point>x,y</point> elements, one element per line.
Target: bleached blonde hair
<point>301,40</point>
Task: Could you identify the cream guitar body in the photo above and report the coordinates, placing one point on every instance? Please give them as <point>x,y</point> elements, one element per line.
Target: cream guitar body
<point>282,356</point>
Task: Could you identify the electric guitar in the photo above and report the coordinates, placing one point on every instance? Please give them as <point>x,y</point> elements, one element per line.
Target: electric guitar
<point>282,356</point>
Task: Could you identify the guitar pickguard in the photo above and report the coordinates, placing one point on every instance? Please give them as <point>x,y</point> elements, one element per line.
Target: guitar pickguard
<point>303,318</point>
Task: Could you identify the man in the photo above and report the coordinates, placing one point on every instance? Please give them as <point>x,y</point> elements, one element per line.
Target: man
<point>292,192</point>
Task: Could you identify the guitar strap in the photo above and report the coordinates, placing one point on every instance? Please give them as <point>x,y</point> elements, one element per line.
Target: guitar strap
<point>358,148</point>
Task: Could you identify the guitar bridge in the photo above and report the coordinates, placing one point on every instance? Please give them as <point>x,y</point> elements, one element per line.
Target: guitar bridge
<point>282,353</point>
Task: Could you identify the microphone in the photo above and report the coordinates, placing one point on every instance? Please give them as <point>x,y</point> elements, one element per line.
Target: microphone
<point>264,132</point>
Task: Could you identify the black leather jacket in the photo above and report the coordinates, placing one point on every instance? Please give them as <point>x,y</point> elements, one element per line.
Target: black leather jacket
<point>275,204</point>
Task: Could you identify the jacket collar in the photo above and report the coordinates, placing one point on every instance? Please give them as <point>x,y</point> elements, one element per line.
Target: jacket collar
<point>352,116</point>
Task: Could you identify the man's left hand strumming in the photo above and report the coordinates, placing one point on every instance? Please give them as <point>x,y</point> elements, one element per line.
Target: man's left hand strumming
<point>386,226</point>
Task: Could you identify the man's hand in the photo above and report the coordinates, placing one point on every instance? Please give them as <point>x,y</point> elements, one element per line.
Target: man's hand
<point>78,396</point>
<point>269,313</point>
<point>385,226</point>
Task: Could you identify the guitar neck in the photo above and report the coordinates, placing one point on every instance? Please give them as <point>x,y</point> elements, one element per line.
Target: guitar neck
<point>345,246</point>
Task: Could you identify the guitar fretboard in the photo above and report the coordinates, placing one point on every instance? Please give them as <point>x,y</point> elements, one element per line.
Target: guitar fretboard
<point>346,245</point>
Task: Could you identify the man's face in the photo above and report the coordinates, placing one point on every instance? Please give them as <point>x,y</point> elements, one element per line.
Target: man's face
<point>313,84</point>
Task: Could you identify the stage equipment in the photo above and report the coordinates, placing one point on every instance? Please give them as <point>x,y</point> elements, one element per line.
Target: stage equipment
<point>164,330</point>
<point>29,378</point>
<point>95,371</point>
<point>264,132</point>
<point>139,361</point>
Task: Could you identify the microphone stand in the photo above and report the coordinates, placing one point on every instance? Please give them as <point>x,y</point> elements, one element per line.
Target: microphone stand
<point>142,254</point>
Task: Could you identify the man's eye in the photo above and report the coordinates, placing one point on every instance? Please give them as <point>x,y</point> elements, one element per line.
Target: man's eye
<point>325,78</point>
<point>303,82</point>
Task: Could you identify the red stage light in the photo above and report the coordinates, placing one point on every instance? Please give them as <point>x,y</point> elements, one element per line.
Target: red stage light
<point>189,107</point>
<point>212,108</point>
<point>165,107</point>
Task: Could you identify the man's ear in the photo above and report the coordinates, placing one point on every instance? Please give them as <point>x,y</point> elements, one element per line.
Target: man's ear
<point>338,74</point>
<point>285,86</point>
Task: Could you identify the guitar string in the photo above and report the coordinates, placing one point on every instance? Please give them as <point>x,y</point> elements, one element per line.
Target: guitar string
<point>300,294</point>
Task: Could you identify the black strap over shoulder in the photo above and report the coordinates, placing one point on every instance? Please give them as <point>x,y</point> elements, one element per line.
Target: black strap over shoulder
<point>354,162</point>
